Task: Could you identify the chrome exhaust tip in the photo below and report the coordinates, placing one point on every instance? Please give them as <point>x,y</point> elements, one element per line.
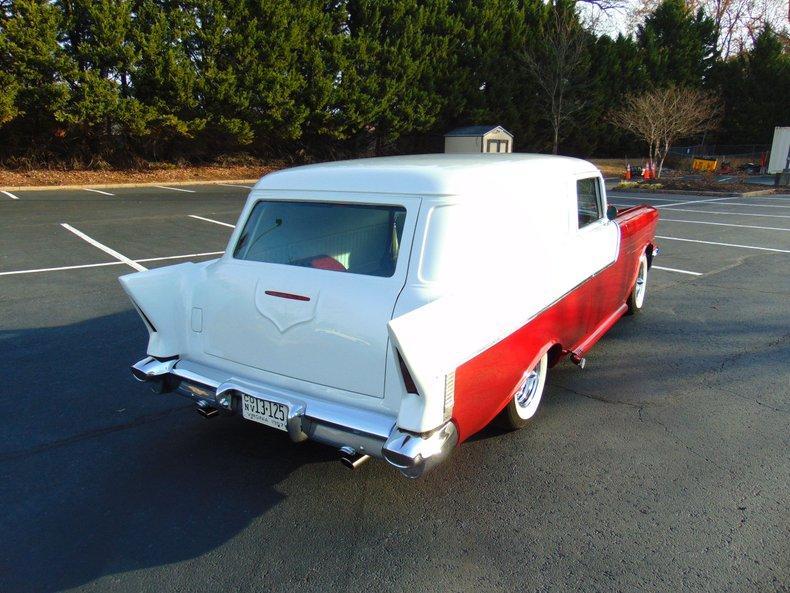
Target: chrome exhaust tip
<point>351,459</point>
<point>206,410</point>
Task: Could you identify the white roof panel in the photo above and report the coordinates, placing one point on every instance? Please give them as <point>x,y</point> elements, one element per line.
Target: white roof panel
<point>437,174</point>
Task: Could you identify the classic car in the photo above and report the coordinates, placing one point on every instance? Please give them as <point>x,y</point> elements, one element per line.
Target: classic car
<point>393,307</point>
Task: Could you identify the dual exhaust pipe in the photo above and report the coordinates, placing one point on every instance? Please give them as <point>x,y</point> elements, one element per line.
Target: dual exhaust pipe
<point>351,459</point>
<point>206,410</point>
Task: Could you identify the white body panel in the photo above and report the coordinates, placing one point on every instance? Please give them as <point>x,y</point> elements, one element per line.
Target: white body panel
<point>488,242</point>
<point>780,148</point>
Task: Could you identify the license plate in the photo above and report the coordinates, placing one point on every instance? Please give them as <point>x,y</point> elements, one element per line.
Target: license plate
<point>264,411</point>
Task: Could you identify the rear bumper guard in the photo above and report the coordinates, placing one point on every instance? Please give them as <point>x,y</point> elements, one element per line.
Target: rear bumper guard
<point>337,425</point>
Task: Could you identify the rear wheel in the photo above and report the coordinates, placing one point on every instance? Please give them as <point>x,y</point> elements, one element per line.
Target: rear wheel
<point>637,297</point>
<point>524,404</point>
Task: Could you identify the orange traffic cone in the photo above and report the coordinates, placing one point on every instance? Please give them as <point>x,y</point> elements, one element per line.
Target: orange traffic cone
<point>628,172</point>
<point>646,172</point>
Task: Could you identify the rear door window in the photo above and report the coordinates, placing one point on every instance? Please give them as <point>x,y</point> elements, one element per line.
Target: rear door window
<point>353,238</point>
<point>588,201</point>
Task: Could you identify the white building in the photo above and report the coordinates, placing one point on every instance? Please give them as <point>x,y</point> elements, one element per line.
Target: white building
<point>780,150</point>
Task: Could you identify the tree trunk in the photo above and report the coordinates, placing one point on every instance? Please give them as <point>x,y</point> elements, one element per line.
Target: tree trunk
<point>556,147</point>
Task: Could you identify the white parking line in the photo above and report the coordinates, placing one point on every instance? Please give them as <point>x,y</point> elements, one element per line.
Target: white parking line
<point>180,256</point>
<point>727,213</point>
<point>740,226</point>
<point>98,191</point>
<point>110,263</point>
<point>234,185</point>
<point>780,198</point>
<point>618,196</point>
<point>693,202</point>
<point>190,191</point>
<point>676,270</point>
<point>37,270</point>
<point>233,226</point>
<point>724,244</point>
<point>752,205</point>
<point>9,194</point>
<point>108,250</point>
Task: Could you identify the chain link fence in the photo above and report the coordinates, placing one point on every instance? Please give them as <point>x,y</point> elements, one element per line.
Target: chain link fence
<point>732,156</point>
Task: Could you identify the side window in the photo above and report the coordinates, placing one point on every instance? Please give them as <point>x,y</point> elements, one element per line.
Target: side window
<point>588,201</point>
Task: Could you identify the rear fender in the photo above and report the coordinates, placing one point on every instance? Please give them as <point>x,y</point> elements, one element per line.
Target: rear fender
<point>161,297</point>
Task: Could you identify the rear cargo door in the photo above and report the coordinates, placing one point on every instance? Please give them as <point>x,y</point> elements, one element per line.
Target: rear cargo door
<point>308,288</point>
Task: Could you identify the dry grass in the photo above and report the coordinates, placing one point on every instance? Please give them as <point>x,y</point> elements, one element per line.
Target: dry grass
<point>610,167</point>
<point>152,174</point>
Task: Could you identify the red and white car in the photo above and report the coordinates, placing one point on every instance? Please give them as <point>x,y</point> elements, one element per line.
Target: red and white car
<point>393,307</point>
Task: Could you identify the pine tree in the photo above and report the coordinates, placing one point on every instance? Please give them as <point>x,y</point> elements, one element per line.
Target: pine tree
<point>392,57</point>
<point>755,87</point>
<point>616,70</point>
<point>678,45</point>
<point>36,72</point>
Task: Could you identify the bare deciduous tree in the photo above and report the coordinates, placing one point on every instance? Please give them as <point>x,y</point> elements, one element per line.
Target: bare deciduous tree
<point>556,64</point>
<point>662,116</point>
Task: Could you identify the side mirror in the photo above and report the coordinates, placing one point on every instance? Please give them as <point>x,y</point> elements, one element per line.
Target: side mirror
<point>611,212</point>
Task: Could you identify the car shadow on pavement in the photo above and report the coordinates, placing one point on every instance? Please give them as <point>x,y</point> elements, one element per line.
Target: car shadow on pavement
<point>115,478</point>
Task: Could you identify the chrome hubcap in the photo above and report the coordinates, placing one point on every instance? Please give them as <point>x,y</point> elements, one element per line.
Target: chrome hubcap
<point>640,283</point>
<point>528,389</point>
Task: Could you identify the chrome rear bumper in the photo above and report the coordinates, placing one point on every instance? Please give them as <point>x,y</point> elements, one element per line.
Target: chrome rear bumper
<point>331,423</point>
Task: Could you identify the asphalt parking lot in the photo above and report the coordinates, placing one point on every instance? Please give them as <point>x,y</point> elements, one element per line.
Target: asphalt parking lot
<point>663,466</point>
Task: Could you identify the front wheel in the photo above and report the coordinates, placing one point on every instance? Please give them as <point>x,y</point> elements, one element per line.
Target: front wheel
<point>526,398</point>
<point>637,297</point>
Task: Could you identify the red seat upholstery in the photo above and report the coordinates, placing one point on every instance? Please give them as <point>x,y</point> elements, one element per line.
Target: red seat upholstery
<point>325,262</point>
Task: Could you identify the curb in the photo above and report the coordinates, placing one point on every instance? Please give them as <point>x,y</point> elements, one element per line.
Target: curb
<point>686,192</point>
<point>141,184</point>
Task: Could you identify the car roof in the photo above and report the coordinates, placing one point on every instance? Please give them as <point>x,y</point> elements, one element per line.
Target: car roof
<point>427,174</point>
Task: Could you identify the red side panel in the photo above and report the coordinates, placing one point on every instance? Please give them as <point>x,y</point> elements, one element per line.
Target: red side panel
<point>484,384</point>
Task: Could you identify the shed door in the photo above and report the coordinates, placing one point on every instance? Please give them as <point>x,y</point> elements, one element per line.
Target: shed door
<point>497,146</point>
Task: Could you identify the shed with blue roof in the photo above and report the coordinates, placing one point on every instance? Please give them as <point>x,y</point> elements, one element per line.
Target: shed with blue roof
<point>477,139</point>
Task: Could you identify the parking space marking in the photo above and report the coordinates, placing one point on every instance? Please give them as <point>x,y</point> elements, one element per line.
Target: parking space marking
<point>747,204</point>
<point>694,202</point>
<point>780,198</point>
<point>108,250</point>
<point>724,244</point>
<point>98,191</point>
<point>109,263</point>
<point>190,191</point>
<point>643,198</point>
<point>234,185</point>
<point>233,226</point>
<point>147,259</point>
<point>38,270</point>
<point>727,213</point>
<point>9,194</point>
<point>740,226</point>
<point>675,270</point>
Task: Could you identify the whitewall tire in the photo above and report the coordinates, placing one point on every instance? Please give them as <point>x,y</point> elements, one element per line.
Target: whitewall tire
<point>636,299</point>
<point>524,404</point>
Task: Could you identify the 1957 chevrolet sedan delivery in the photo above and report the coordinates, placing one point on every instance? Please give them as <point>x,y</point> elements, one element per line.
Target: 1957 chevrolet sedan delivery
<point>393,307</point>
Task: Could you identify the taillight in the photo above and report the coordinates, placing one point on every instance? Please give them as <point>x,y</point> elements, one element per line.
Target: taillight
<point>408,382</point>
